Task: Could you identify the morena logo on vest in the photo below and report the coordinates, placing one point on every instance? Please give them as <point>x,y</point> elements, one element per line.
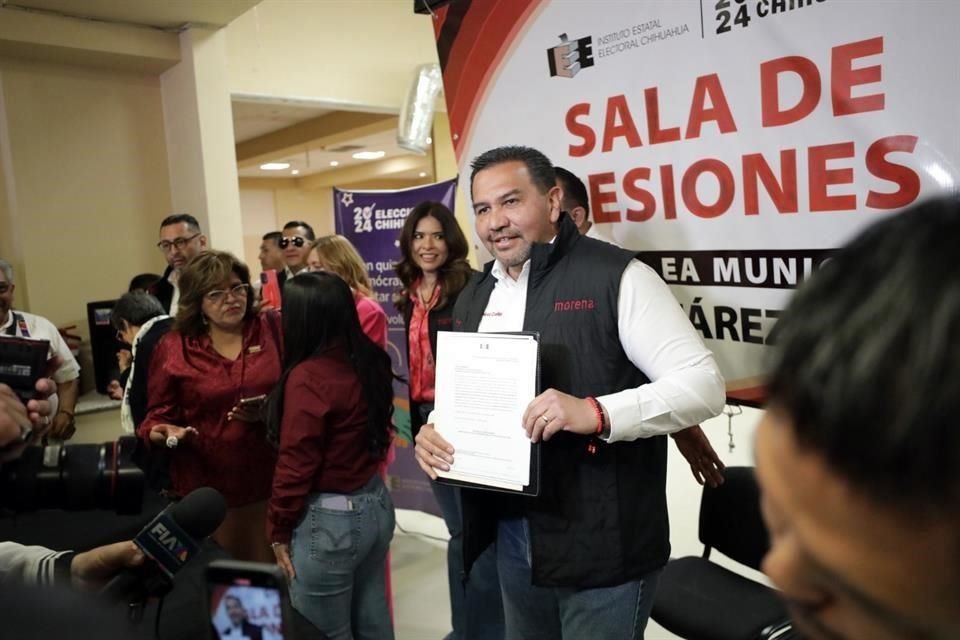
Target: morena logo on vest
<point>583,304</point>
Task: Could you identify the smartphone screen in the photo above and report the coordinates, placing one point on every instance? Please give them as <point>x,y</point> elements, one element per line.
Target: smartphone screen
<point>247,601</point>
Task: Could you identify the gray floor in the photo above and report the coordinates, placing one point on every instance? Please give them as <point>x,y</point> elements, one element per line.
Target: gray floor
<point>421,606</point>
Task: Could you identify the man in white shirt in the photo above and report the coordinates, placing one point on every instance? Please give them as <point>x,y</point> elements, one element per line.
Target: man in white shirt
<point>180,240</point>
<point>705,465</point>
<point>624,367</point>
<point>33,327</point>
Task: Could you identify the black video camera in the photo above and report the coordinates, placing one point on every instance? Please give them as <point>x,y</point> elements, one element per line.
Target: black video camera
<point>75,477</point>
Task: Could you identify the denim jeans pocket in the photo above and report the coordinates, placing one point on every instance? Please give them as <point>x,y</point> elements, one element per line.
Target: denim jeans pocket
<point>333,535</point>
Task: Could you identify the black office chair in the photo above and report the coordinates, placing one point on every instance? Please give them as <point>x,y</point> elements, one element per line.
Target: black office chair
<point>698,599</point>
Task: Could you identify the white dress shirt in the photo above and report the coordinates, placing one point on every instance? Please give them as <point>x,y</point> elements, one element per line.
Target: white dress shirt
<point>175,298</point>
<point>594,232</point>
<point>685,385</point>
<point>290,273</point>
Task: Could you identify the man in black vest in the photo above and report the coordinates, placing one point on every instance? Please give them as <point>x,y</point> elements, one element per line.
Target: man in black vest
<point>623,368</point>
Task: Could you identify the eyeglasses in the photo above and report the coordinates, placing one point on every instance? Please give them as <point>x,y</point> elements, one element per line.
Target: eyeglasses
<point>298,242</point>
<point>179,243</point>
<point>4,287</point>
<point>219,296</point>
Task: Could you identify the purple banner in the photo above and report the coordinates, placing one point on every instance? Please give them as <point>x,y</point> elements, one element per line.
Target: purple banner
<point>372,220</point>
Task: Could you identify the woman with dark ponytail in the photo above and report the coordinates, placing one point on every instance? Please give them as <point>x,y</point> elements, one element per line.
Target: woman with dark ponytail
<point>330,518</point>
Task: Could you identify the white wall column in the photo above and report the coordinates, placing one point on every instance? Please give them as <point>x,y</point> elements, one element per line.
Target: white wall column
<point>200,144</point>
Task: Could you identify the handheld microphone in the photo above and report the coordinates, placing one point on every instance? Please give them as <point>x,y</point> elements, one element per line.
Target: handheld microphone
<point>168,542</point>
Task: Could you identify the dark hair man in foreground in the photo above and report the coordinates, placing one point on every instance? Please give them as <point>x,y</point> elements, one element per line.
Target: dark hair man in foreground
<point>858,454</point>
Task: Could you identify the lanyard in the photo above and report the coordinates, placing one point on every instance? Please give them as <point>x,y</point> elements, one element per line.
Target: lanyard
<point>20,322</point>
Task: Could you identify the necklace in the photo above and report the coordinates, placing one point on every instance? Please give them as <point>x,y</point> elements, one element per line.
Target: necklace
<point>425,300</point>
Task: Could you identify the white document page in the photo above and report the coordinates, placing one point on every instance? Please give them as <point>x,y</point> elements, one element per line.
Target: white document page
<point>484,383</point>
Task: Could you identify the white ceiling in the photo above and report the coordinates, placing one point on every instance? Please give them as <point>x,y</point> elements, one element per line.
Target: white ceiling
<point>252,119</point>
<point>317,160</point>
<point>161,14</point>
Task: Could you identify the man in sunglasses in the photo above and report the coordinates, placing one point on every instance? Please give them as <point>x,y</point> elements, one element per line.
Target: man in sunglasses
<point>295,243</point>
<point>180,240</point>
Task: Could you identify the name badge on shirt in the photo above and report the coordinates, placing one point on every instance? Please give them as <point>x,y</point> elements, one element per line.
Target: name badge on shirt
<point>254,348</point>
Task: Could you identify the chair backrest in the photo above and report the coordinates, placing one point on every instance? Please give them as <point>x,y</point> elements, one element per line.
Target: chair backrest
<point>730,519</point>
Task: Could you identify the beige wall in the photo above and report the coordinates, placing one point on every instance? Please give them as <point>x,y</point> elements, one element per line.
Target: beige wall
<point>313,207</point>
<point>445,167</point>
<point>86,180</point>
<point>199,134</point>
<point>349,52</point>
<point>267,204</point>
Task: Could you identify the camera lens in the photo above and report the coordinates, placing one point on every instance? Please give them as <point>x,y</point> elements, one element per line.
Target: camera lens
<point>74,477</point>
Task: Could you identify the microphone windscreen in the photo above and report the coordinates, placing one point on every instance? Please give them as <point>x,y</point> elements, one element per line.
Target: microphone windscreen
<point>200,512</point>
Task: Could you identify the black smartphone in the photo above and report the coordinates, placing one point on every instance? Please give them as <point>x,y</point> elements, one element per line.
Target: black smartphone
<point>247,600</point>
<point>22,362</point>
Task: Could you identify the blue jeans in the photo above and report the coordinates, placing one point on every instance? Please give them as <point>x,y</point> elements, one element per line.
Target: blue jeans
<point>476,609</point>
<point>339,553</point>
<point>545,613</point>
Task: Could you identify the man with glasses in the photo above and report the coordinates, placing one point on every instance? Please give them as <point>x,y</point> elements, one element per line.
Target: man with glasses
<point>180,240</point>
<point>21,324</point>
<point>296,241</point>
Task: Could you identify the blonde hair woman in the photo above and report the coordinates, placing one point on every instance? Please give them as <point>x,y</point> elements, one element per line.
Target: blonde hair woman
<point>336,255</point>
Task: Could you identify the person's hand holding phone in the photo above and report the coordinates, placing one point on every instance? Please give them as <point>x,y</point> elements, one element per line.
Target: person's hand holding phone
<point>248,409</point>
<point>40,408</point>
<point>22,423</point>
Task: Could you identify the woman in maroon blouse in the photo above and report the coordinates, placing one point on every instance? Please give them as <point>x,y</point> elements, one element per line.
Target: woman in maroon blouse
<point>219,353</point>
<point>331,518</point>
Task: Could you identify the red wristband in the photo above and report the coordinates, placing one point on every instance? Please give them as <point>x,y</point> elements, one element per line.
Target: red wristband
<point>599,412</point>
